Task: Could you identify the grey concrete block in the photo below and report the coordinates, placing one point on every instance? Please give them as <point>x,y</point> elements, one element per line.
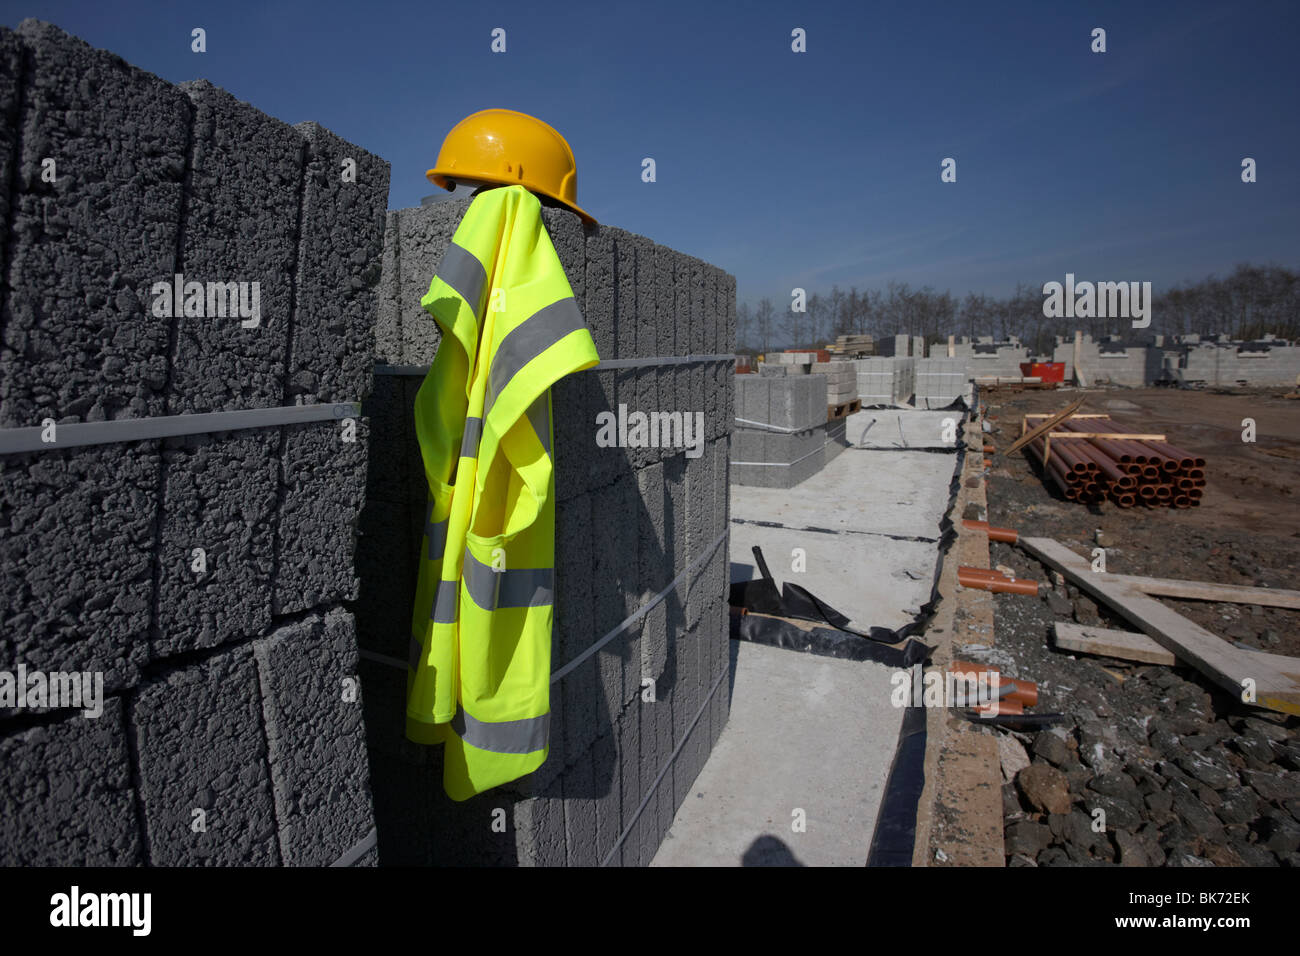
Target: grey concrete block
<point>599,389</point>
<point>201,746</point>
<point>220,495</point>
<point>422,238</point>
<point>76,568</point>
<point>675,532</point>
<point>628,736</point>
<point>340,259</point>
<point>539,828</point>
<point>241,225</point>
<point>11,76</point>
<point>647,336</point>
<point>312,708</point>
<point>575,626</point>
<point>580,825</point>
<point>665,807</point>
<point>666,325</point>
<point>79,334</point>
<point>322,483</point>
<point>65,794</point>
<point>627,382</point>
<point>614,560</point>
<point>606,793</point>
<point>655,569</point>
<point>388,310</point>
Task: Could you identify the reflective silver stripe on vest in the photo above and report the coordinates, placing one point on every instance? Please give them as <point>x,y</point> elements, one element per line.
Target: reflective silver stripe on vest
<point>461,270</point>
<point>436,532</point>
<point>530,339</point>
<point>473,437</point>
<point>504,737</point>
<point>444,602</point>
<point>513,587</point>
<point>416,652</point>
<point>539,414</point>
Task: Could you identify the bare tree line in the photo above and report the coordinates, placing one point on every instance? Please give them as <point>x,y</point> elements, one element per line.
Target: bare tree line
<point>1251,301</point>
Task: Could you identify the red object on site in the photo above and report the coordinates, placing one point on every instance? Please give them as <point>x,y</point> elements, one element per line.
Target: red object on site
<point>1044,371</point>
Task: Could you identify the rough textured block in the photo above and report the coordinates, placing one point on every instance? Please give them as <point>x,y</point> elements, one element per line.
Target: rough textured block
<point>322,492</point>
<point>340,257</point>
<point>201,746</point>
<point>599,389</point>
<point>630,782</point>
<point>606,792</point>
<point>575,626</point>
<point>65,794</point>
<point>312,707</point>
<point>11,74</point>
<point>580,820</point>
<point>655,569</point>
<point>388,310</point>
<point>76,568</point>
<point>79,336</point>
<point>220,496</point>
<point>539,828</point>
<point>244,181</point>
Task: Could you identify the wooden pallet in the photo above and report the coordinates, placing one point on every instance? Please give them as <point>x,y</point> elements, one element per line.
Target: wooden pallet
<point>843,409</point>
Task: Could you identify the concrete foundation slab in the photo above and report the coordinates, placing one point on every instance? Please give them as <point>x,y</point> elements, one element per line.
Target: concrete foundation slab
<point>810,739</point>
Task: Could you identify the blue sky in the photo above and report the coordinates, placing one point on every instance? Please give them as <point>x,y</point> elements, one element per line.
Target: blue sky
<point>807,169</point>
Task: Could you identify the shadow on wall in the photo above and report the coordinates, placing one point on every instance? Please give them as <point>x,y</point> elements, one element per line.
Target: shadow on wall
<point>417,823</point>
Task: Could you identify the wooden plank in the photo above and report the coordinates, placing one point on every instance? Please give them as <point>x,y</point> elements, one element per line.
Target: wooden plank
<point>1115,435</point>
<point>1107,642</point>
<point>1276,679</point>
<point>1046,426</point>
<point>1207,591</point>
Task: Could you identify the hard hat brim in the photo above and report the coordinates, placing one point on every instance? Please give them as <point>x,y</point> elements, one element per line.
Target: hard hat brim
<point>445,177</point>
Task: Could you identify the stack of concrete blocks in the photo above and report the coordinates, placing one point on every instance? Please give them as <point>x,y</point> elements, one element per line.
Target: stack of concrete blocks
<point>941,381</point>
<point>886,380</point>
<point>1110,362</point>
<point>894,346</point>
<point>203,577</point>
<point>632,725</point>
<point>780,435</point>
<point>841,381</point>
<point>784,364</point>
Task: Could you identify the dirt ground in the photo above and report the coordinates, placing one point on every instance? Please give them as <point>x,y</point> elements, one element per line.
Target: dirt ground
<point>1246,531</point>
<point>1186,774</point>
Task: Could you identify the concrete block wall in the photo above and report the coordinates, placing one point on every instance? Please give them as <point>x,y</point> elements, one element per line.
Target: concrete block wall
<point>940,381</point>
<point>231,730</point>
<point>777,457</point>
<point>629,521</point>
<point>1238,363</point>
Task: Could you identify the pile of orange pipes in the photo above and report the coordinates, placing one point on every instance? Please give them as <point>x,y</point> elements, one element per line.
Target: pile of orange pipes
<point>1127,472</point>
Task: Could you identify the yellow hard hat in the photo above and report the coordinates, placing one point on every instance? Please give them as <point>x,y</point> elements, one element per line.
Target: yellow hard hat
<point>508,147</point>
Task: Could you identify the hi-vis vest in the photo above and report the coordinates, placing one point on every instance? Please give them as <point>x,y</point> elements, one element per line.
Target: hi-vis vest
<point>479,678</point>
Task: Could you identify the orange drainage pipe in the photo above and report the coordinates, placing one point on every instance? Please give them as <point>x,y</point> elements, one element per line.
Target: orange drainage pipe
<point>1012,707</point>
<point>1009,688</point>
<point>997,586</point>
<point>1008,535</point>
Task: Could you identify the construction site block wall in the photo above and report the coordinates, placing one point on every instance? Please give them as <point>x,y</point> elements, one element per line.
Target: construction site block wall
<point>205,579</point>
<point>629,522</point>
